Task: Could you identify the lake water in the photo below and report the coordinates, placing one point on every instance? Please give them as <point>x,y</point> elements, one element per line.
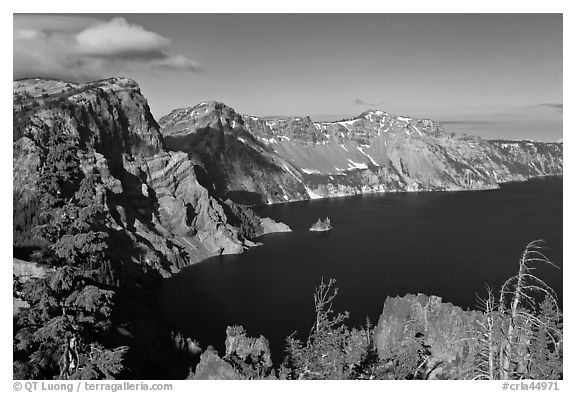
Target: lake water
<point>445,244</point>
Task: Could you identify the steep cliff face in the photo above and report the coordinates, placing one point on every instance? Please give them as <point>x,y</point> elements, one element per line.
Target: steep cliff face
<point>172,196</point>
<point>238,165</point>
<point>373,152</point>
<point>159,213</point>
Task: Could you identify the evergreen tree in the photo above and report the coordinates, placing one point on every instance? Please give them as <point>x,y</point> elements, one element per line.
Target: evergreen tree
<point>63,332</point>
<point>546,344</point>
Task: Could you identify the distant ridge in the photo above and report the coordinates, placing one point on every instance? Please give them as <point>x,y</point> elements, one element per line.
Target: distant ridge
<point>276,159</point>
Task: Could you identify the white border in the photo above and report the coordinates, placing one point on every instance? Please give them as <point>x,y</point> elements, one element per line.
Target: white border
<point>301,6</point>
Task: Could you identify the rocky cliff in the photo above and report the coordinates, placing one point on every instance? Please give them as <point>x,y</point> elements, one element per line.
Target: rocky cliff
<point>239,165</point>
<point>267,161</point>
<point>159,209</point>
<point>176,190</point>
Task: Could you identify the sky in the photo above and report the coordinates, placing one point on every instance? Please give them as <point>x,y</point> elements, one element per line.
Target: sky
<point>492,75</point>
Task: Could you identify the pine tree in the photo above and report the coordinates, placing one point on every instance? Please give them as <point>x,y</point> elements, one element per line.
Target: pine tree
<point>546,344</point>
<point>62,333</point>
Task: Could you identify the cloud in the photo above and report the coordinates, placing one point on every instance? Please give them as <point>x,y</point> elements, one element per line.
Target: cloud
<point>556,106</point>
<point>361,102</point>
<point>81,49</point>
<point>117,37</point>
<point>178,63</point>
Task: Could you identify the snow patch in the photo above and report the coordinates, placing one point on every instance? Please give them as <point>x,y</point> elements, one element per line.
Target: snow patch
<point>343,147</point>
<point>348,122</point>
<point>310,171</point>
<point>290,170</point>
<point>268,141</point>
<point>380,129</point>
<point>356,165</point>
<point>377,113</point>
<point>416,129</point>
<point>367,155</point>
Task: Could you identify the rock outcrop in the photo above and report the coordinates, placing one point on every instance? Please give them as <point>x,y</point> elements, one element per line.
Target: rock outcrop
<point>446,330</point>
<point>321,225</point>
<point>212,367</point>
<point>271,226</point>
<point>23,271</point>
<point>245,358</point>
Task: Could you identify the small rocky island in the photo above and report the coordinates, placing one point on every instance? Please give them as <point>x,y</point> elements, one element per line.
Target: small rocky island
<point>321,226</point>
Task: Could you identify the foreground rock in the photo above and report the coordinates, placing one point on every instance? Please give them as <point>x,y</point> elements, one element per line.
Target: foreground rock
<point>245,358</point>
<point>444,329</point>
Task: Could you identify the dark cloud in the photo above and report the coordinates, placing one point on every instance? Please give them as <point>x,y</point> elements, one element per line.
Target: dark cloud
<point>361,102</point>
<point>80,49</point>
<point>556,106</point>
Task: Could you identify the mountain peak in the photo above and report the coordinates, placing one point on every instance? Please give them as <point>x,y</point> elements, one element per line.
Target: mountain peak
<point>212,104</point>
<point>377,112</point>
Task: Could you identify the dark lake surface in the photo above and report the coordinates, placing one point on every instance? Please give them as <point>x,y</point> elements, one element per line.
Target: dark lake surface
<point>448,244</point>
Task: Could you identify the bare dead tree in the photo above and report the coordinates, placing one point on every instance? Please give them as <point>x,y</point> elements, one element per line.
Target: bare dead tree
<point>324,295</point>
<point>517,310</point>
<point>487,333</point>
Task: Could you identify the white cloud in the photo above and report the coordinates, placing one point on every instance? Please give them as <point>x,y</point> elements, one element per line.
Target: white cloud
<point>117,37</point>
<point>178,63</point>
<point>81,49</point>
